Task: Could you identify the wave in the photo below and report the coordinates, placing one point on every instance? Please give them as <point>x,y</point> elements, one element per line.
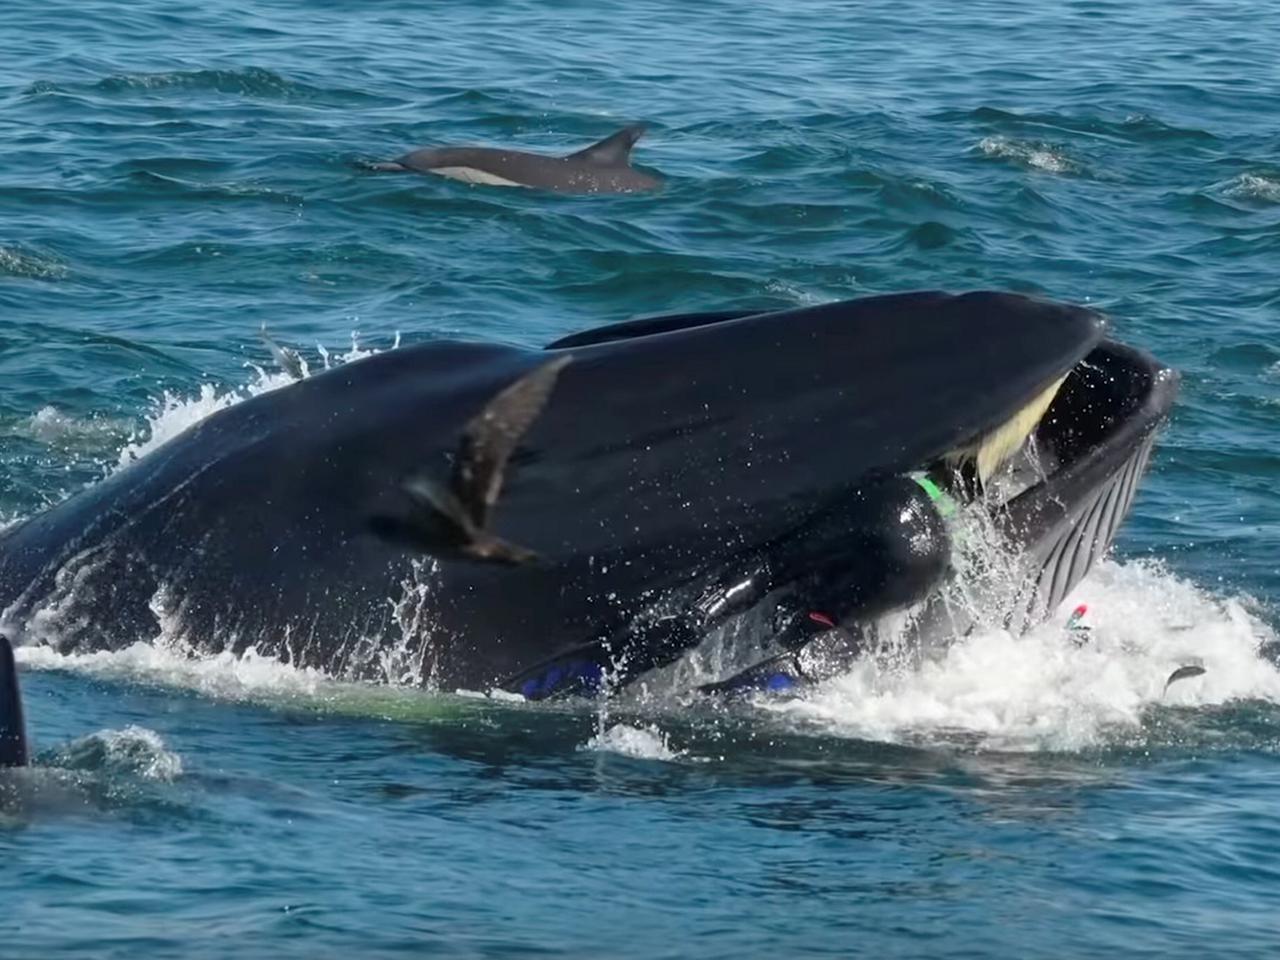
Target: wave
<point>154,182</point>
<point>27,264</point>
<point>129,769</point>
<point>1253,186</point>
<point>250,81</point>
<point>1134,126</point>
<point>1035,154</point>
<point>133,750</point>
<point>51,425</point>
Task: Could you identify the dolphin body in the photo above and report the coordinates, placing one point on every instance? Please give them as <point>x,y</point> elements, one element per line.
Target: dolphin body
<point>603,167</point>
<point>13,728</point>
<point>684,473</point>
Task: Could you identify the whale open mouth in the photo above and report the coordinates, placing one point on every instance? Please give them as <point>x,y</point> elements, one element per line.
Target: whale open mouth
<point>1061,474</point>
<point>1057,478</point>
<point>1093,415</point>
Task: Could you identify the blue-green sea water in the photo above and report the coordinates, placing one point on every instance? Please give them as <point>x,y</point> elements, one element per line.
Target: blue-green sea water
<point>174,175</point>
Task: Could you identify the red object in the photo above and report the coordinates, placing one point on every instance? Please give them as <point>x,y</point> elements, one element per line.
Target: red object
<point>821,618</point>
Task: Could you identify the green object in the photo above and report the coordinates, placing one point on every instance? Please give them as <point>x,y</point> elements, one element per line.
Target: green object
<point>941,499</point>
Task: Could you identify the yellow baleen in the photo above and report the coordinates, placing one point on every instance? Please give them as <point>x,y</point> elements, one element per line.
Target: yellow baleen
<point>993,448</point>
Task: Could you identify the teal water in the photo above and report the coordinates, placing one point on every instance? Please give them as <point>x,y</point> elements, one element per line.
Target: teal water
<point>174,175</point>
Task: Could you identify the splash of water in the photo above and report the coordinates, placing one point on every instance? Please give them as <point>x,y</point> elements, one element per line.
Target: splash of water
<point>1254,186</point>
<point>175,413</point>
<point>1034,154</point>
<point>51,425</point>
<point>134,750</point>
<point>1048,690</point>
<point>644,742</point>
<point>30,265</point>
<point>225,676</point>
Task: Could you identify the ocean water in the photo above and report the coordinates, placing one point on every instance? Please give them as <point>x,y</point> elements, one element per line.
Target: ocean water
<point>175,175</point>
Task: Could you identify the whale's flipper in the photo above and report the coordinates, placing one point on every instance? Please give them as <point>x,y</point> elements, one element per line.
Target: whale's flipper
<point>453,519</point>
<point>289,360</point>
<point>614,150</point>
<point>13,731</point>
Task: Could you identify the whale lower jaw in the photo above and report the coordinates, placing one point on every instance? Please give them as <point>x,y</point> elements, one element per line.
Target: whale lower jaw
<point>474,175</point>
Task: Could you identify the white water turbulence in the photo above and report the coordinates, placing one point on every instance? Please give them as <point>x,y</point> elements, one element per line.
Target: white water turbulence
<point>133,750</point>
<point>644,742</point>
<point>1050,158</point>
<point>175,413</point>
<point>223,676</point>
<point>1055,689</point>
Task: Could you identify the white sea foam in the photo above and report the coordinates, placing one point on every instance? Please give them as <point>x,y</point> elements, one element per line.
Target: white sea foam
<point>133,750</point>
<point>643,743</point>
<point>1040,156</point>
<point>175,413</point>
<point>51,425</point>
<point>1254,186</point>
<point>1041,691</point>
<point>224,675</point>
<point>1046,691</point>
<point>30,265</point>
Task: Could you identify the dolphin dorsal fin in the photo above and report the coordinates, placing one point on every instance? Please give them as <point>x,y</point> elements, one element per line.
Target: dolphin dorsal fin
<point>614,150</point>
<point>13,732</point>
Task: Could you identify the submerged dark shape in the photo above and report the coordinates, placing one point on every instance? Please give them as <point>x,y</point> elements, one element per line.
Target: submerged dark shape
<point>603,167</point>
<point>685,473</point>
<point>13,729</point>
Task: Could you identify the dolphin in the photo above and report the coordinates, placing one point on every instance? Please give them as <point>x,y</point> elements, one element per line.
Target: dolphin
<point>13,730</point>
<point>603,167</point>
<point>795,472</point>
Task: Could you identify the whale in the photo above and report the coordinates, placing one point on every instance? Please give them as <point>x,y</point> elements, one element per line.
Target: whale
<point>571,518</point>
<point>603,167</point>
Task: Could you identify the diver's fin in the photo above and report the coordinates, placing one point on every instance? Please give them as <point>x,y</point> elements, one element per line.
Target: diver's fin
<point>288,360</point>
<point>445,508</point>
<point>777,674</point>
<point>614,150</point>
<point>490,437</point>
<point>13,731</point>
<point>440,502</point>
<point>492,549</point>
<point>1184,672</point>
